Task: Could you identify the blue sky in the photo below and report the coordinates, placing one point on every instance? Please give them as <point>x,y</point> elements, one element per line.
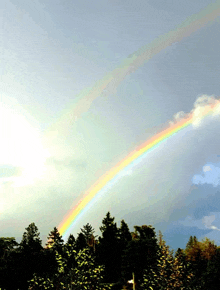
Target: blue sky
<point>52,50</point>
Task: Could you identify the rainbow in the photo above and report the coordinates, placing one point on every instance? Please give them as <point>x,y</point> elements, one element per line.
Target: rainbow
<point>140,152</point>
<point>84,100</point>
<point>110,81</point>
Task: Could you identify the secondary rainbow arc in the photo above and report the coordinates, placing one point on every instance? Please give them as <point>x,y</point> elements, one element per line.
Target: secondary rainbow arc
<point>137,59</point>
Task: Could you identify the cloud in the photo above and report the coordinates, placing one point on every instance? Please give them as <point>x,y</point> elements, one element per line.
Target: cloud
<point>208,220</point>
<point>207,168</point>
<point>159,184</point>
<point>204,104</point>
<point>210,175</point>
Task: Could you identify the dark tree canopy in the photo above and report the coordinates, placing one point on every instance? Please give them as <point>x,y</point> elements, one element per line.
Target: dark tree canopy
<point>80,243</point>
<point>31,239</point>
<point>115,257</point>
<point>55,240</point>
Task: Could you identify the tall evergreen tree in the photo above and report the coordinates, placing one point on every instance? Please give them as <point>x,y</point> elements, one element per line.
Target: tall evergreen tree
<point>55,241</point>
<point>109,228</point>
<point>88,233</point>
<point>80,243</point>
<point>124,238</point>
<point>31,239</point>
<point>28,258</point>
<point>124,233</point>
<point>71,240</point>
<point>108,249</point>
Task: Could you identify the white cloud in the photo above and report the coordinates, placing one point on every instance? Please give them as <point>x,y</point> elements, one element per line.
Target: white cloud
<point>203,105</point>
<point>207,168</point>
<point>210,175</point>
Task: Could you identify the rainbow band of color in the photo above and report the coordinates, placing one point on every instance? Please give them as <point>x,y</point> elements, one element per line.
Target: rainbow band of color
<point>111,174</point>
<point>86,98</point>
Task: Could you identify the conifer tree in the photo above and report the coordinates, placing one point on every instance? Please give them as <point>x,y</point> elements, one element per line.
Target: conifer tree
<point>28,258</point>
<point>108,249</point>
<point>88,233</point>
<point>55,241</point>
<point>31,239</point>
<point>124,233</point>
<point>71,239</point>
<point>80,243</point>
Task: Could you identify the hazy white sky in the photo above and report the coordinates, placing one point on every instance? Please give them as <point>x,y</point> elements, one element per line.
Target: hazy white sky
<point>51,51</point>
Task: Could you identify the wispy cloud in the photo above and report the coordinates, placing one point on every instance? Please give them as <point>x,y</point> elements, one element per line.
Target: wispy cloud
<point>208,220</point>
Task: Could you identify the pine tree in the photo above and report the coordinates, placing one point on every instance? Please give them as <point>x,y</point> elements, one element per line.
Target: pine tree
<point>124,233</point>
<point>31,239</point>
<point>80,243</point>
<point>28,258</point>
<point>109,228</point>
<point>55,241</point>
<point>108,249</point>
<point>71,240</point>
<point>88,233</point>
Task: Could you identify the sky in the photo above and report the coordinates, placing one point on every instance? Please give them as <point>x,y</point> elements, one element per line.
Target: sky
<point>58,138</point>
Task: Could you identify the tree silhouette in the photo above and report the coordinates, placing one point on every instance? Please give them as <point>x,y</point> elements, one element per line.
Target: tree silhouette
<point>88,233</point>
<point>55,241</point>
<point>108,249</point>
<point>140,254</point>
<point>80,243</point>
<point>31,239</point>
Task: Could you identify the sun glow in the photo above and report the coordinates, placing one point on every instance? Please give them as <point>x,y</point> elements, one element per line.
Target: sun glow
<point>22,155</point>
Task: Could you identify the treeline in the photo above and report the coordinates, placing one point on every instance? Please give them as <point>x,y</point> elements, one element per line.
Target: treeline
<point>107,261</point>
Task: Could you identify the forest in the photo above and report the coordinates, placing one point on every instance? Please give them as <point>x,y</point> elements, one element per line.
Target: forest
<point>110,261</point>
